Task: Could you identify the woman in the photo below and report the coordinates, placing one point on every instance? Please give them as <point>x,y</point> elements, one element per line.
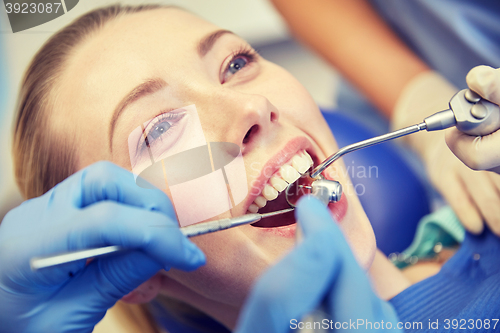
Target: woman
<point>89,74</point>
<point>239,97</point>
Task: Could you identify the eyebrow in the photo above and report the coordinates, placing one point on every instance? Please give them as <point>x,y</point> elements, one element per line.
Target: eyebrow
<point>146,88</point>
<point>207,42</point>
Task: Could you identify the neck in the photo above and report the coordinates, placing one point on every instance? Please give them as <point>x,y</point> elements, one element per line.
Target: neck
<point>224,313</point>
<point>387,280</point>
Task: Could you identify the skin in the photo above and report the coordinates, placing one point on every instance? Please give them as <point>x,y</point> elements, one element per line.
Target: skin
<point>163,43</point>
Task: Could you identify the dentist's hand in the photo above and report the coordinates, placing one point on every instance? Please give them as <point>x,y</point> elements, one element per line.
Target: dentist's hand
<point>473,195</point>
<point>479,153</point>
<point>98,206</point>
<point>321,269</point>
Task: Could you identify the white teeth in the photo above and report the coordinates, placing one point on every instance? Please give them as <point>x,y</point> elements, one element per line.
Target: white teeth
<point>269,193</point>
<point>288,173</point>
<point>300,163</point>
<point>278,183</point>
<point>308,158</point>
<point>260,201</point>
<point>253,208</point>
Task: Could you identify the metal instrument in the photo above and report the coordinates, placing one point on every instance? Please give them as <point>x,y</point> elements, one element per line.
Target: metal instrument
<point>189,231</point>
<point>324,189</point>
<point>468,112</point>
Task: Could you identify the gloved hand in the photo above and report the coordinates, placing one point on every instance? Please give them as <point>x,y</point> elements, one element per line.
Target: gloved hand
<point>98,206</point>
<point>473,195</point>
<point>321,268</point>
<point>479,153</point>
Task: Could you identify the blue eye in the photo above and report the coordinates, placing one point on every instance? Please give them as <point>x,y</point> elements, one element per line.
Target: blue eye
<point>158,130</point>
<point>160,133</point>
<point>237,64</point>
<point>240,59</point>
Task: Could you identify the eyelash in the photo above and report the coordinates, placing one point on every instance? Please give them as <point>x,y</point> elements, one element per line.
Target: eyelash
<point>244,51</point>
<point>146,133</point>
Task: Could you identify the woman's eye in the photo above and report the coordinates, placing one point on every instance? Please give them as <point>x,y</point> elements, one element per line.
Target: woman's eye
<point>157,136</point>
<point>237,64</point>
<point>158,130</point>
<point>238,61</point>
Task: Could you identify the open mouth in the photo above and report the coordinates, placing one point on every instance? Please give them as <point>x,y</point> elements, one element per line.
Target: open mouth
<point>273,197</point>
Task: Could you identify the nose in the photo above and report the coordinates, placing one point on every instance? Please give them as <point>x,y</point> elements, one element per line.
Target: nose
<point>246,119</point>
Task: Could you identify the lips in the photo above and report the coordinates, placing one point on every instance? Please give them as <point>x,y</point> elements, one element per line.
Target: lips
<point>294,156</point>
<point>338,209</point>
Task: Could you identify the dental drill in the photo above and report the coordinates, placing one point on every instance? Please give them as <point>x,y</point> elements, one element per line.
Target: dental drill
<point>468,112</point>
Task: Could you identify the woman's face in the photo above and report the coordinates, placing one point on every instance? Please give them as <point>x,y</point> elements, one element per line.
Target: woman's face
<point>239,97</point>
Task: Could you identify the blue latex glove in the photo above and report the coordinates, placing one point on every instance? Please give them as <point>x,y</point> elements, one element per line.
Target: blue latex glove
<point>98,206</point>
<point>320,271</point>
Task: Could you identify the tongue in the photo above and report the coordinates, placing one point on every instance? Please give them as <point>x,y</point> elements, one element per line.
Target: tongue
<point>279,220</point>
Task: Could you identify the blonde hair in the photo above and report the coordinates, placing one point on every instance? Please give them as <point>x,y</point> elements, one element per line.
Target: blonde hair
<point>43,158</point>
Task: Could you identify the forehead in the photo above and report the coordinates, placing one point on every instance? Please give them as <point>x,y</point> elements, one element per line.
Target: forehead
<point>133,40</point>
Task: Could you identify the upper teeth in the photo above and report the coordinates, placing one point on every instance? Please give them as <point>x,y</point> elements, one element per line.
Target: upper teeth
<point>287,174</point>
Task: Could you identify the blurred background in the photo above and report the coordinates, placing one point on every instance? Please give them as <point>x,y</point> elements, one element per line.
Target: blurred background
<point>256,21</point>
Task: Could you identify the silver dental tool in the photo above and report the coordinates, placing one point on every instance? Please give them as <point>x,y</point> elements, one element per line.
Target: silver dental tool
<point>324,189</point>
<point>470,113</point>
<point>189,231</point>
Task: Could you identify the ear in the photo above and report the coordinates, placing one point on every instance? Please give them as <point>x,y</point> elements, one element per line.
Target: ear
<point>145,292</point>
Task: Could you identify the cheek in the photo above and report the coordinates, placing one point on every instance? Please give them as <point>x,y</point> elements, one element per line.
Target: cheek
<point>360,236</point>
<point>298,107</point>
<point>356,227</point>
<point>286,93</point>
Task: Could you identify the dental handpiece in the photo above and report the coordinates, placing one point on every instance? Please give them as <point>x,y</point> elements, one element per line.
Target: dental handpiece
<point>189,231</point>
<point>470,113</point>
